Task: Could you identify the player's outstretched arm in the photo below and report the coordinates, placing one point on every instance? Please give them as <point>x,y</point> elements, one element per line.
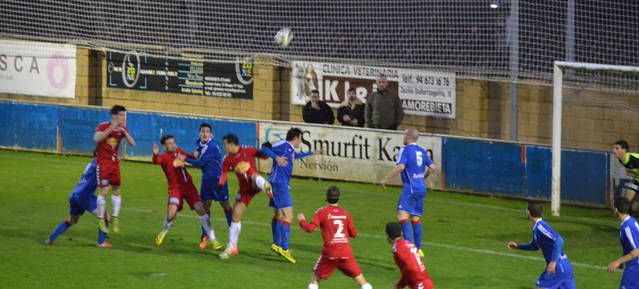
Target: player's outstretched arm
<point>398,169</point>
<point>532,246</point>
<point>304,225</point>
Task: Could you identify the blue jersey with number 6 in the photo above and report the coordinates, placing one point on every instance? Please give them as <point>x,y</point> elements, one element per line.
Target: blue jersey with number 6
<point>415,161</point>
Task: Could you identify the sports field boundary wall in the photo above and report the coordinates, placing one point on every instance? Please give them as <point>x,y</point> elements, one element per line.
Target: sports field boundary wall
<point>592,119</point>
<point>464,164</point>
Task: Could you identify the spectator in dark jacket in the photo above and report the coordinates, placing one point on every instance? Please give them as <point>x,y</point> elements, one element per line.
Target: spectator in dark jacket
<point>351,113</point>
<point>383,107</point>
<point>317,111</point>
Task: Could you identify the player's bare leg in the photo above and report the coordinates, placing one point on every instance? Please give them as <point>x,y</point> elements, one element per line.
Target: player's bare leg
<point>116,204</point>
<point>314,282</point>
<point>228,212</point>
<point>101,204</point>
<point>234,231</point>
<point>417,233</point>
<point>168,222</point>
<point>359,279</point>
<point>285,215</point>
<point>206,224</point>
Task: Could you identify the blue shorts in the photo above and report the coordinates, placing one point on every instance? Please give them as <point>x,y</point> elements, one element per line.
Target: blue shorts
<point>562,279</point>
<point>412,203</point>
<point>207,191</point>
<point>77,206</point>
<point>281,197</point>
<point>630,279</point>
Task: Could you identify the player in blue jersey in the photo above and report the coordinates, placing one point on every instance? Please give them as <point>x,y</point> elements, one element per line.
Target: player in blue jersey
<point>558,273</point>
<point>629,238</point>
<point>82,199</point>
<point>209,159</point>
<point>284,154</point>
<point>412,162</point>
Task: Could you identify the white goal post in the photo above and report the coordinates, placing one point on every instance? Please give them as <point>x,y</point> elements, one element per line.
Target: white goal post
<point>556,119</point>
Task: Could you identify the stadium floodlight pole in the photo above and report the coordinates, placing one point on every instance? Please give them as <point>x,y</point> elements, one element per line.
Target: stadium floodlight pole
<point>557,99</point>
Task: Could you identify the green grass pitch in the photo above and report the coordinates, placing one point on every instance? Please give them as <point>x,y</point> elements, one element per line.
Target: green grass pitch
<point>464,236</point>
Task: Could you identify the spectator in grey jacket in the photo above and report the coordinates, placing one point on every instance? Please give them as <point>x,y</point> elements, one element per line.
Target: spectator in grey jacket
<point>383,108</point>
<point>317,111</point>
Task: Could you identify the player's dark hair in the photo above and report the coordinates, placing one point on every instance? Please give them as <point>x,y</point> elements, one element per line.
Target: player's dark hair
<point>351,89</point>
<point>535,208</point>
<point>117,109</point>
<point>293,133</point>
<point>231,138</point>
<point>623,144</point>
<point>267,144</point>
<point>332,195</point>
<point>165,137</point>
<point>393,230</point>
<point>204,124</point>
<point>622,205</point>
<point>314,91</point>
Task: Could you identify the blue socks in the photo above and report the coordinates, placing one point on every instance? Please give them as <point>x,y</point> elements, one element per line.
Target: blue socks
<point>61,228</point>
<point>417,234</point>
<point>406,228</point>
<point>285,230</point>
<point>229,216</point>
<point>276,228</point>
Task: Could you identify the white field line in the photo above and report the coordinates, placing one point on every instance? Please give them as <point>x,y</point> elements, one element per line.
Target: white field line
<point>431,244</point>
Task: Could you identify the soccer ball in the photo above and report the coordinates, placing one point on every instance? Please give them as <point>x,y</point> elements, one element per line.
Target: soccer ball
<point>283,37</point>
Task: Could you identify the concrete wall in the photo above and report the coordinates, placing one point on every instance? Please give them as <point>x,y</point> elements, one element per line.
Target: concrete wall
<point>591,119</point>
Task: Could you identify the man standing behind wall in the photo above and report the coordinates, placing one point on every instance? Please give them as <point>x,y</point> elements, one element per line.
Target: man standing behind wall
<point>383,107</point>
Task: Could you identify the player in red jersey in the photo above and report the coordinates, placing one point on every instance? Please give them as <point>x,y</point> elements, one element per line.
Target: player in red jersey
<point>241,160</point>
<point>180,187</point>
<point>337,227</point>
<point>407,258</point>
<point>107,137</point>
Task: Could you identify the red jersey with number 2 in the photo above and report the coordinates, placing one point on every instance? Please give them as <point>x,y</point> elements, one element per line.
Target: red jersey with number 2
<point>337,229</point>
<point>411,266</point>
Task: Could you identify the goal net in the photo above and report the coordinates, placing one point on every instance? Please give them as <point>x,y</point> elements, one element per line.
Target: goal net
<point>472,38</point>
<point>584,74</point>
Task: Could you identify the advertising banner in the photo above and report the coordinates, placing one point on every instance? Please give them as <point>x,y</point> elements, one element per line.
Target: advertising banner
<point>423,92</point>
<point>350,154</point>
<point>37,68</point>
<point>135,70</point>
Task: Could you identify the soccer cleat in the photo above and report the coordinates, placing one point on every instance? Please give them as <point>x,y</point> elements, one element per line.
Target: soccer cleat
<point>229,252</point>
<point>115,223</point>
<point>268,189</point>
<point>203,242</point>
<point>104,245</point>
<point>421,253</point>
<point>275,248</point>
<point>160,237</point>
<point>287,255</point>
<point>48,242</point>
<point>102,225</point>
<point>215,244</point>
